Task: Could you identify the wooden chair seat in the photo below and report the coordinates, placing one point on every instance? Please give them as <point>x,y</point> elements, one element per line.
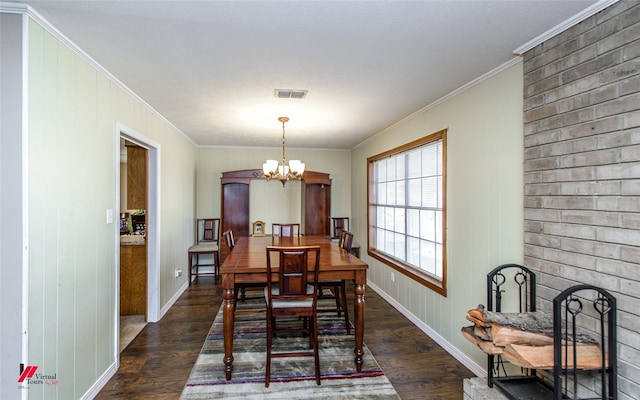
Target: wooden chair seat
<point>203,248</point>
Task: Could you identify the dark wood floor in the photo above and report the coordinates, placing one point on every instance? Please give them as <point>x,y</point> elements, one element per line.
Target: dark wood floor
<point>157,363</point>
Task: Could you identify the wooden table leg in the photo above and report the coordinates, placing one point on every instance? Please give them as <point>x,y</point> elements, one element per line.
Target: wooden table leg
<point>228,321</point>
<point>358,305</point>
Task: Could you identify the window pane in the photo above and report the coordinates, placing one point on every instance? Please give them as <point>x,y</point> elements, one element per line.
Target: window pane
<point>427,225</point>
<point>391,193</point>
<point>388,242</point>
<point>399,221</point>
<point>388,218</point>
<point>428,256</point>
<point>413,249</point>
<point>380,217</point>
<point>430,192</point>
<point>381,171</point>
<point>400,161</point>
<point>400,194</point>
<point>382,193</point>
<point>413,222</point>
<point>430,161</point>
<point>438,226</point>
<point>399,246</point>
<point>439,260</point>
<point>414,164</point>
<point>391,169</point>
<point>415,192</point>
<point>380,239</point>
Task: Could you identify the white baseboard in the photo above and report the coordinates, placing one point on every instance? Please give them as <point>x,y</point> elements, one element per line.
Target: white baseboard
<point>450,348</point>
<point>172,300</point>
<point>101,382</point>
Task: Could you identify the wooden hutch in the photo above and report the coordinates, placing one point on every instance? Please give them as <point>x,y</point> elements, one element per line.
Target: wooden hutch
<point>316,202</point>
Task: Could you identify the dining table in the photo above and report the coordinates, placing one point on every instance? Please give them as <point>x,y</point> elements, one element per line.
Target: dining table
<point>247,264</point>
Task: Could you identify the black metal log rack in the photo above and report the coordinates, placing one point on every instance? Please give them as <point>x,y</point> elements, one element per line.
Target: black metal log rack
<point>578,310</point>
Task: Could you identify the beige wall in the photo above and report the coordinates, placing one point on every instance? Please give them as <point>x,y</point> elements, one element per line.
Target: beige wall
<point>72,162</point>
<point>270,202</point>
<point>484,201</point>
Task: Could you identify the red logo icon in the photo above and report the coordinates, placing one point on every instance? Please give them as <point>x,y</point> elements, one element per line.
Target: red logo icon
<point>28,373</point>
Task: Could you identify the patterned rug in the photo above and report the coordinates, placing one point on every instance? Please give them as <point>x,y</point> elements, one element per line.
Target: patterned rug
<point>291,378</point>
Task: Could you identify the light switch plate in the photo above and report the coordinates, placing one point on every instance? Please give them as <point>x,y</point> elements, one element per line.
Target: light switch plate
<point>110,216</point>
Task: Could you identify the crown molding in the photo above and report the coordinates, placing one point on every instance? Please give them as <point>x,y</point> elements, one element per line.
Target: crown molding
<point>446,97</point>
<point>13,8</point>
<point>563,26</point>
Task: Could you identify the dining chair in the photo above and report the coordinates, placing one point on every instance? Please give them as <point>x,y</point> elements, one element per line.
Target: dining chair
<point>228,239</point>
<point>338,288</point>
<point>340,224</point>
<point>207,240</point>
<point>295,294</point>
<point>285,230</point>
<point>347,241</point>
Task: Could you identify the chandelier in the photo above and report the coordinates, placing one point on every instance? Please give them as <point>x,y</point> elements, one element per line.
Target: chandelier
<point>283,172</point>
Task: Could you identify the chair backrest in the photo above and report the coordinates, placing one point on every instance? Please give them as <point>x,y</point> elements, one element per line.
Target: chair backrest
<point>347,241</point>
<point>208,230</point>
<point>228,239</point>
<point>285,230</point>
<point>339,224</point>
<point>297,267</point>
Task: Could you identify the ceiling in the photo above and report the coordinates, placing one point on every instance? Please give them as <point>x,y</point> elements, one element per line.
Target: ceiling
<point>211,67</point>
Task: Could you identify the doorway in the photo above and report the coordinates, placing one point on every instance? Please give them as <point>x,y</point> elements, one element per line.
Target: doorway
<point>137,237</point>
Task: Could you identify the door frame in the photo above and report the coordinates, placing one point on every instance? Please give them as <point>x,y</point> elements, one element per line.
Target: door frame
<point>153,220</point>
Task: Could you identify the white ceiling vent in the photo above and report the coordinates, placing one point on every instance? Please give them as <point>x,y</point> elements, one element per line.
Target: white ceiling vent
<point>290,93</point>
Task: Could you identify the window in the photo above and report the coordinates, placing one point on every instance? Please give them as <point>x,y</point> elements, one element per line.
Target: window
<point>407,209</point>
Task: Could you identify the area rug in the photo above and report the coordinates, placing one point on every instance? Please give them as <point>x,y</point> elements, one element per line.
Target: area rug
<point>291,378</point>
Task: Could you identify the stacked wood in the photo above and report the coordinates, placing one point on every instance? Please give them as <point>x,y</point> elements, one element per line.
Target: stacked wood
<point>526,339</point>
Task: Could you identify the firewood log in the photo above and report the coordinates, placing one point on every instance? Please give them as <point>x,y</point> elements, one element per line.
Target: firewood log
<point>477,313</point>
<point>503,335</point>
<point>482,332</point>
<point>474,320</point>
<point>589,356</point>
<point>533,321</point>
<point>486,346</point>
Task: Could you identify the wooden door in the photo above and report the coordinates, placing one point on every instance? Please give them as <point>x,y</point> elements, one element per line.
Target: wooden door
<point>317,209</point>
<point>235,208</point>
<point>133,258</point>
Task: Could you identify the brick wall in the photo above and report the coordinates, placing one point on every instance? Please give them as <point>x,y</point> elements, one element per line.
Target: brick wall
<point>582,168</point>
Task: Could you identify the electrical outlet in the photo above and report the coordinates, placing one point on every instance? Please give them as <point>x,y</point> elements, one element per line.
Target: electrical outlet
<point>178,273</point>
<point>393,277</point>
